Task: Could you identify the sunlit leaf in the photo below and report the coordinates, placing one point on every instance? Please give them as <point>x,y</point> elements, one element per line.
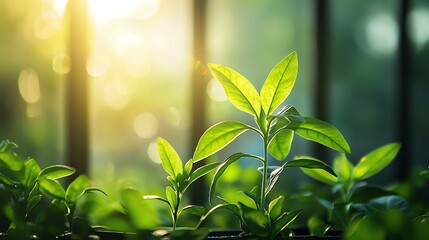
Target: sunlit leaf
<point>280,145</point>
<point>311,163</point>
<point>170,159</point>
<point>56,172</point>
<point>171,197</point>
<point>187,169</point>
<point>32,170</point>
<point>152,197</point>
<point>238,89</point>
<point>6,146</point>
<point>375,161</point>
<point>217,137</point>
<point>222,167</point>
<point>51,188</point>
<point>11,160</point>
<point>343,167</point>
<point>76,188</point>
<point>283,221</point>
<point>275,208</point>
<point>279,83</point>
<point>318,174</point>
<point>321,132</point>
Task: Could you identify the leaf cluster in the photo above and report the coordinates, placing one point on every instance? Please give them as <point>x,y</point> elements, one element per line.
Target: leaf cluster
<point>33,200</point>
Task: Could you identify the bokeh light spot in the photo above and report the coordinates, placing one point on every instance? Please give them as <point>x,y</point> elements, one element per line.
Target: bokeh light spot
<point>216,91</point>
<point>61,64</point>
<point>145,125</point>
<point>28,83</point>
<point>152,152</point>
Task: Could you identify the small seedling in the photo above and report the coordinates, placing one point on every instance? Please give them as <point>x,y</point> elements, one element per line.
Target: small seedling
<point>275,130</point>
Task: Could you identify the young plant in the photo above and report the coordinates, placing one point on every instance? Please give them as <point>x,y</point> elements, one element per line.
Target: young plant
<point>180,177</point>
<point>355,199</point>
<point>276,130</point>
<point>32,199</point>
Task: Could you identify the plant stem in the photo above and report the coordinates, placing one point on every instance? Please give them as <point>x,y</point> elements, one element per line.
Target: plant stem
<point>264,176</point>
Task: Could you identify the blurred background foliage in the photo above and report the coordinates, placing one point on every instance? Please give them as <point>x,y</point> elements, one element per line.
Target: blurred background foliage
<point>140,66</point>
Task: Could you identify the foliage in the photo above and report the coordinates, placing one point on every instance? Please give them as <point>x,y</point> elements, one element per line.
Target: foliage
<point>180,178</point>
<point>33,201</point>
<point>276,130</point>
<point>355,199</point>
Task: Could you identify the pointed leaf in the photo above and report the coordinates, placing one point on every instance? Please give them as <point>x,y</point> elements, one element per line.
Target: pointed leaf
<point>171,197</point>
<point>32,170</point>
<point>279,83</point>
<point>6,146</point>
<point>51,188</point>
<point>321,175</point>
<point>201,171</point>
<point>312,163</point>
<point>238,89</point>
<point>222,167</point>
<point>56,172</point>
<point>280,145</point>
<point>375,161</point>
<point>343,167</point>
<point>275,208</point>
<point>170,160</point>
<point>218,137</point>
<point>76,188</point>
<point>321,132</point>
<point>283,221</point>
<point>187,169</point>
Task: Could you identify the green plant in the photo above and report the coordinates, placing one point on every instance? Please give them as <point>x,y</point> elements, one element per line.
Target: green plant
<point>276,130</point>
<point>32,200</point>
<point>180,178</point>
<point>354,198</point>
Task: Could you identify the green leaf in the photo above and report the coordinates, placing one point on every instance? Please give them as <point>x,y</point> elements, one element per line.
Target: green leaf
<point>275,208</point>
<point>311,163</point>
<point>152,197</point>
<point>32,170</point>
<point>343,167</point>
<point>255,221</point>
<point>321,132</point>
<point>51,188</point>
<point>283,221</point>
<point>201,171</point>
<point>171,161</point>
<point>56,172</point>
<point>76,188</point>
<point>6,146</point>
<point>142,214</point>
<point>11,160</point>
<point>279,83</point>
<point>280,145</point>
<point>8,181</point>
<point>217,137</point>
<point>32,203</point>
<point>318,174</point>
<point>231,207</point>
<point>171,197</point>
<point>252,196</point>
<point>425,174</point>
<point>375,161</point>
<point>239,90</point>
<point>187,169</point>
<point>222,167</point>
<point>194,210</point>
